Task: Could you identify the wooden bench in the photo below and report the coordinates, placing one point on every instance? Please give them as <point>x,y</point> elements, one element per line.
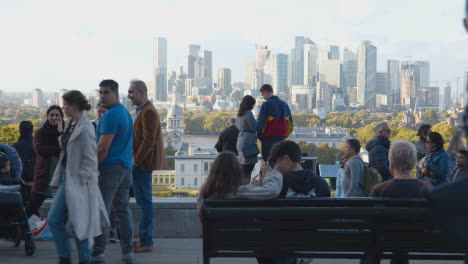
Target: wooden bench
<point>325,228</point>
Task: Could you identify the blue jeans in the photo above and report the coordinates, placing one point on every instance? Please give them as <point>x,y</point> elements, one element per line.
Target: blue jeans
<point>56,221</point>
<point>142,187</point>
<point>115,183</point>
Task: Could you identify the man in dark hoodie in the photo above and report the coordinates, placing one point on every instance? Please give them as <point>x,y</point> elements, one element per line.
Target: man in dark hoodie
<point>297,182</point>
<point>378,150</point>
<point>25,150</point>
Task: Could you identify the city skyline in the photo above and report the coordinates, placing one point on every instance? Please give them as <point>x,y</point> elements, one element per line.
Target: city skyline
<point>121,49</point>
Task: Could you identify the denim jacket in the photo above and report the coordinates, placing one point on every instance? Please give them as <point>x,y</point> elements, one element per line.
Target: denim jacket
<point>439,168</point>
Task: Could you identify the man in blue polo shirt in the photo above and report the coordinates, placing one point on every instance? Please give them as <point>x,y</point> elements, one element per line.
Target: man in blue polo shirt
<point>114,136</point>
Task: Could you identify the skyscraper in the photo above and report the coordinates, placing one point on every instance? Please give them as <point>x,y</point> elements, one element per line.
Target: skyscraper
<point>263,54</point>
<point>159,92</point>
<point>324,96</point>
<point>330,71</point>
<point>61,93</point>
<point>421,70</point>
<point>349,68</point>
<point>327,52</point>
<point>394,82</point>
<point>171,78</point>
<point>224,81</point>
<point>276,73</point>
<point>465,87</point>
<point>448,96</point>
<point>297,60</point>
<point>38,98</point>
<point>366,79</point>
<point>206,67</point>
<point>381,85</point>
<point>189,66</point>
<point>193,50</point>
<point>310,64</point>
<point>249,69</point>
<point>408,88</point>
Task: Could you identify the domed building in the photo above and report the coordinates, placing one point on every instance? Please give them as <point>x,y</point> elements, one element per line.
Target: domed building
<point>174,133</point>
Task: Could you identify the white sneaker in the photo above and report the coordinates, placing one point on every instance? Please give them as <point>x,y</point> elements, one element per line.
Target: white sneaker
<point>37,224</point>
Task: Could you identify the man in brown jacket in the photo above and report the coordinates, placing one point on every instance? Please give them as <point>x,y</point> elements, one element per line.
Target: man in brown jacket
<point>148,155</point>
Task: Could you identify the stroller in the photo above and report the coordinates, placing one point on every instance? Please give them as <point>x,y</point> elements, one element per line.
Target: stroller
<point>13,219</point>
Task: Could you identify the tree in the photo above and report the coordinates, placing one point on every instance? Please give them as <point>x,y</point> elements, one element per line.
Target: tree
<point>366,133</point>
<point>327,155</point>
<point>9,134</point>
<point>170,151</point>
<point>310,149</point>
<point>431,116</point>
<point>446,130</point>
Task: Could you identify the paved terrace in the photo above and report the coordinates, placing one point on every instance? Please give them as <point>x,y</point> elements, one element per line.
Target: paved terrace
<point>166,251</point>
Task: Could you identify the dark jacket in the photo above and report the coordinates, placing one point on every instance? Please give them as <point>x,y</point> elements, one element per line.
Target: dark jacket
<point>25,150</point>
<point>457,174</point>
<point>378,156</point>
<point>274,120</point>
<point>439,168</point>
<point>421,152</point>
<point>227,140</point>
<point>47,147</point>
<point>303,184</point>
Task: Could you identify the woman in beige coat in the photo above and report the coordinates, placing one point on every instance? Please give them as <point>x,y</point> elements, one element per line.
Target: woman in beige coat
<point>78,200</point>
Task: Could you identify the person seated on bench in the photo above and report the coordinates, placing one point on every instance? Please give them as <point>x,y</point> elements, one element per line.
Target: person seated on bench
<point>226,181</point>
<point>297,182</point>
<point>402,160</point>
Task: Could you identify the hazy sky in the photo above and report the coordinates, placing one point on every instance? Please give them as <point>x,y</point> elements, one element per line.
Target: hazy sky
<point>74,44</point>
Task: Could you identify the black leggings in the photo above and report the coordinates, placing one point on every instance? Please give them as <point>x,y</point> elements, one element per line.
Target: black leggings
<point>248,168</point>
<point>34,203</point>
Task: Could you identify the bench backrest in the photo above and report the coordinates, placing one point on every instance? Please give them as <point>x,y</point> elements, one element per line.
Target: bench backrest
<point>286,227</point>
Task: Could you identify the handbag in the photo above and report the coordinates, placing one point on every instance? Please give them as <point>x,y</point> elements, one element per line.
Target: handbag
<point>250,151</point>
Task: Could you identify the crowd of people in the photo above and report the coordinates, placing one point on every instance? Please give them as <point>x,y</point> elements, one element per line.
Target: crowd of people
<point>91,168</point>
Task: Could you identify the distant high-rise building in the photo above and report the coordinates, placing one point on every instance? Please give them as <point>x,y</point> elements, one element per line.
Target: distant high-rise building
<point>324,95</point>
<point>465,87</point>
<point>189,66</point>
<point>276,73</point>
<point>327,52</point>
<point>381,85</point>
<point>95,92</point>
<point>38,98</point>
<point>350,65</point>
<point>61,93</point>
<point>249,69</point>
<point>448,96</point>
<point>189,83</point>
<point>330,71</point>
<point>429,97</point>
<point>171,78</point>
<point>297,60</point>
<point>408,88</point>
<point>394,82</point>
<point>193,50</point>
<point>224,81</point>
<point>206,67</point>
<point>263,54</point>
<point>366,77</point>
<point>421,70</point>
<point>310,64</point>
<point>256,82</point>
<point>159,92</point>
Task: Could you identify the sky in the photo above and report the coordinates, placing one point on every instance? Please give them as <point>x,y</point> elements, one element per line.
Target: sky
<point>54,44</point>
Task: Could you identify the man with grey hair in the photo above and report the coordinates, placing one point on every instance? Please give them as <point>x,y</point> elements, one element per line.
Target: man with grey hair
<point>402,159</point>
<point>227,140</point>
<point>378,150</point>
<point>148,155</point>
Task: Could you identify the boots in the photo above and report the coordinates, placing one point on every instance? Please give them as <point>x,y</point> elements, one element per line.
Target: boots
<point>64,260</point>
